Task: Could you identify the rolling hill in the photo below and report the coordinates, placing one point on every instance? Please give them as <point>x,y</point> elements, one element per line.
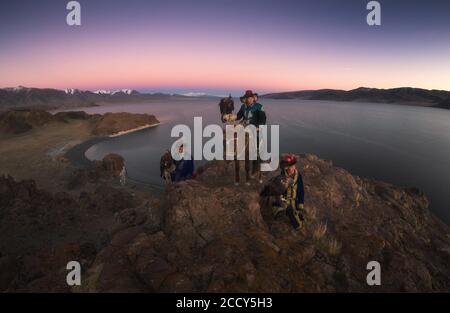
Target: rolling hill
<point>404,95</point>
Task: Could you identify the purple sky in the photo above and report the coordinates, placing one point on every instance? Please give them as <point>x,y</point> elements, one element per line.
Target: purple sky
<point>219,46</point>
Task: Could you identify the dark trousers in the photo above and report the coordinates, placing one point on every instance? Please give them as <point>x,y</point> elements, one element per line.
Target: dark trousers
<point>255,167</point>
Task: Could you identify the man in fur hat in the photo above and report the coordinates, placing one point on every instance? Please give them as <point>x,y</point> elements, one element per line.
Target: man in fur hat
<point>251,112</point>
<point>292,199</point>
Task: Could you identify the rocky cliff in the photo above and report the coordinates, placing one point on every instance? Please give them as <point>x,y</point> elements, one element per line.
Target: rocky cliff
<point>208,235</point>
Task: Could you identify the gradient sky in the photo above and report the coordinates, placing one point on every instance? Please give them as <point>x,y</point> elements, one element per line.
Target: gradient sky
<point>219,46</point>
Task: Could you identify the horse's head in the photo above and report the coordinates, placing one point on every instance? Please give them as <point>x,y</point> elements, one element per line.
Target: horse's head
<point>226,106</point>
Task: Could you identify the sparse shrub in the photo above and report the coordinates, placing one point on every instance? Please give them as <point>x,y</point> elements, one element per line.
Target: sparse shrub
<point>334,247</point>
<point>311,213</point>
<point>320,231</point>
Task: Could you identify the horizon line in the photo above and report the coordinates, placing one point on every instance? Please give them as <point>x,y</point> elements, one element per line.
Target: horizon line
<point>201,91</point>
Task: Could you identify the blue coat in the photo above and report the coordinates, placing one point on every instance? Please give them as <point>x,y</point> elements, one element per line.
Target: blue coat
<point>253,114</point>
<point>300,199</point>
<point>184,170</point>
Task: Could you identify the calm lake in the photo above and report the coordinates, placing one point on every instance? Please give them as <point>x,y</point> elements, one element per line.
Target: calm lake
<point>403,145</point>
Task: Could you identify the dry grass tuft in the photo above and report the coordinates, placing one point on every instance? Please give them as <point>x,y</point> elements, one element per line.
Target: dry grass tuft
<point>311,213</point>
<point>334,247</point>
<point>320,231</point>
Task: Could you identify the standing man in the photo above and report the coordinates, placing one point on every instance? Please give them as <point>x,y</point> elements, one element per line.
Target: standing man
<point>251,112</point>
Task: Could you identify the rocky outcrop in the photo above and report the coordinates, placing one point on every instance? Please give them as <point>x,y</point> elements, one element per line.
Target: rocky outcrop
<point>44,270</point>
<point>212,236</point>
<point>72,115</point>
<point>208,235</point>
<point>16,122</point>
<point>108,168</point>
<point>41,232</point>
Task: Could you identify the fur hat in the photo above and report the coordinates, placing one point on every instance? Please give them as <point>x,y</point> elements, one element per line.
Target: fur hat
<point>288,160</point>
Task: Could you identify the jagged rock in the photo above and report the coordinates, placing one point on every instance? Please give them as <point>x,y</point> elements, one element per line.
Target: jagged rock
<point>217,237</point>
<point>31,213</point>
<point>16,122</point>
<point>111,164</point>
<point>208,235</point>
<point>46,269</point>
<point>106,198</point>
<point>109,167</point>
<point>41,232</point>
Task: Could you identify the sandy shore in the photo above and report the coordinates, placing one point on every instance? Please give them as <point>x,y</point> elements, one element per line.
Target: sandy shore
<point>49,153</point>
<point>124,132</point>
<point>76,154</point>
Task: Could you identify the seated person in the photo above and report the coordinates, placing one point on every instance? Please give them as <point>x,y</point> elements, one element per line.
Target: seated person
<point>292,199</point>
<point>184,169</point>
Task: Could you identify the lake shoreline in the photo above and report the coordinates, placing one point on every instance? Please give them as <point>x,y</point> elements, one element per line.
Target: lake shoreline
<point>77,154</point>
<point>125,132</point>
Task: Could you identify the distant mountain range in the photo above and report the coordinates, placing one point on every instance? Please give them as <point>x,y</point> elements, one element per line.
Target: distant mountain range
<point>405,95</point>
<point>47,98</point>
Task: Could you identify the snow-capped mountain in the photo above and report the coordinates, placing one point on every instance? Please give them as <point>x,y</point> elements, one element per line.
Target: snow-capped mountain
<point>125,91</point>
<point>194,94</point>
<point>102,92</point>
<point>71,91</point>
<point>115,92</point>
<point>18,88</point>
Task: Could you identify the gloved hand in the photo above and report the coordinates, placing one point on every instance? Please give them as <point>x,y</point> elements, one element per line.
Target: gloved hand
<point>229,117</point>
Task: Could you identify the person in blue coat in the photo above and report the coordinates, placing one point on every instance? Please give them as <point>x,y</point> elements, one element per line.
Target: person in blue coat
<point>184,169</point>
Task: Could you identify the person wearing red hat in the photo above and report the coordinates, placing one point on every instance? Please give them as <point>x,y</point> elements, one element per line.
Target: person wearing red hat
<point>251,112</point>
<point>292,201</point>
